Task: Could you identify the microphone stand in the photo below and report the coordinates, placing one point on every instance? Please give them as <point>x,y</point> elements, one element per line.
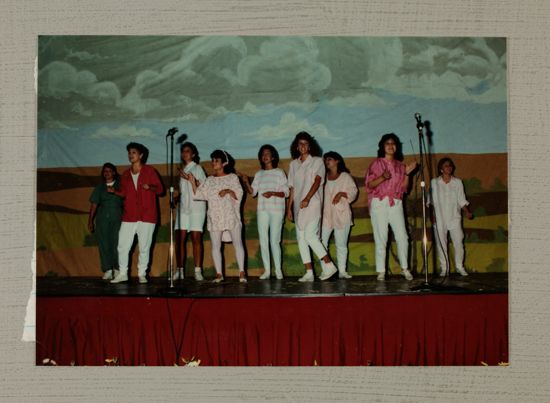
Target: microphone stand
<point>426,286</point>
<point>171,291</point>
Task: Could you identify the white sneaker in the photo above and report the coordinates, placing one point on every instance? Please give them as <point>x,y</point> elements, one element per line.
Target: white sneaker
<point>278,274</point>
<point>443,273</point>
<point>381,277</point>
<point>198,274</point>
<point>108,275</point>
<point>328,271</point>
<point>407,274</point>
<point>242,279</point>
<point>218,279</point>
<point>308,277</point>
<point>462,272</point>
<point>142,280</point>
<point>120,278</point>
<point>344,274</point>
<point>266,275</point>
<point>178,274</point>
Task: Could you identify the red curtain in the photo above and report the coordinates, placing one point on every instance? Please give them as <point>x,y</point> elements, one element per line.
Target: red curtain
<point>375,330</point>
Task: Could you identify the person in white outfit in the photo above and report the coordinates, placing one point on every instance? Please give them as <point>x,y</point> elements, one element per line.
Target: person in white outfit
<point>340,192</point>
<point>190,214</point>
<point>386,181</point>
<point>224,194</point>
<point>448,200</point>
<point>271,187</point>
<point>305,179</point>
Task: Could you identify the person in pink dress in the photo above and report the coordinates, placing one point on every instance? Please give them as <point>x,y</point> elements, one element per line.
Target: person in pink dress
<point>223,193</point>
<point>386,181</point>
<point>340,192</point>
<point>305,180</point>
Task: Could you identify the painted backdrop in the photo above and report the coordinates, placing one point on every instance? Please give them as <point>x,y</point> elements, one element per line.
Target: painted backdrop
<point>97,93</point>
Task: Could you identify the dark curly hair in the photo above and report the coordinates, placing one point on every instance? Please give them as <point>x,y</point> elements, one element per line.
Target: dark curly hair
<point>399,146</point>
<point>144,151</point>
<point>341,167</point>
<point>196,158</point>
<point>314,147</point>
<point>111,167</point>
<point>274,155</point>
<point>225,157</point>
<point>444,160</point>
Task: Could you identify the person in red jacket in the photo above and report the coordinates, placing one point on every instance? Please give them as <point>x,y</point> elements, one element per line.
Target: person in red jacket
<point>140,186</point>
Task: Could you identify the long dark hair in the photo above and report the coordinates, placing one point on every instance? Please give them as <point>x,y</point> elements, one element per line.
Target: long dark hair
<point>398,146</point>
<point>274,155</point>
<point>196,158</point>
<point>314,147</point>
<point>110,166</point>
<point>341,167</point>
<point>226,158</point>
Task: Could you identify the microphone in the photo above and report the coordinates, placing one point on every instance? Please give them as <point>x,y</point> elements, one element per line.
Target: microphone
<point>419,124</point>
<point>181,138</point>
<point>172,132</point>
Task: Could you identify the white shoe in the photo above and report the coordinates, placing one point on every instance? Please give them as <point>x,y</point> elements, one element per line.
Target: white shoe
<point>462,272</point>
<point>344,274</point>
<point>198,274</point>
<point>108,275</point>
<point>328,271</point>
<point>443,273</point>
<point>381,277</point>
<point>278,274</point>
<point>178,274</point>
<point>120,278</point>
<point>407,274</point>
<point>218,279</point>
<point>266,275</point>
<point>308,277</point>
<point>242,279</point>
<point>142,280</point>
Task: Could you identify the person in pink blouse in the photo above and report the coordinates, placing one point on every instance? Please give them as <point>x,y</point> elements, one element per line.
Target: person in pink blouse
<point>386,181</point>
<point>340,192</point>
<point>305,179</point>
<point>224,194</point>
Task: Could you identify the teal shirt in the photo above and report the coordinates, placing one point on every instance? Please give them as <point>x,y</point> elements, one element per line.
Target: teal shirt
<point>109,206</point>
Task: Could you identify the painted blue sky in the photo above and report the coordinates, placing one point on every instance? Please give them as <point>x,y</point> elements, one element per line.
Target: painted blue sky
<point>96,94</point>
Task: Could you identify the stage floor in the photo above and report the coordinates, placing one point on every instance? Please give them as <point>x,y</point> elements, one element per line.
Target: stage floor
<point>477,283</point>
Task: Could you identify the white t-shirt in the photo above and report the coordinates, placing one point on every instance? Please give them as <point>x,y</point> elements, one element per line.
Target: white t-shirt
<point>187,205</point>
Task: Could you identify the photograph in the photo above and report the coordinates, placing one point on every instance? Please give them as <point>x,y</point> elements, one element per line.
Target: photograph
<point>272,201</point>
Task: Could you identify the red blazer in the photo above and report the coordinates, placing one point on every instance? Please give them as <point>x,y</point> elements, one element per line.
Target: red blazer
<point>141,204</point>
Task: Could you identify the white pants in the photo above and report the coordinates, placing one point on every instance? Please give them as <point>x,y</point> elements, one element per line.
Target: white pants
<point>236,239</point>
<point>457,236</point>
<point>128,230</point>
<point>382,215</point>
<point>341,241</point>
<point>270,225</point>
<point>309,238</point>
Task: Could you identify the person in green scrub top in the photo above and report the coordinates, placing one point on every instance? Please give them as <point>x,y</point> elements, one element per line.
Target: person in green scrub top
<point>106,208</point>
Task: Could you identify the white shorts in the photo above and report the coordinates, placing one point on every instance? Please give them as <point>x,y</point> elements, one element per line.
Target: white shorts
<point>190,222</point>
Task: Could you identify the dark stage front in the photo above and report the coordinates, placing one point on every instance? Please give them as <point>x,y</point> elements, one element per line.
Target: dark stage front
<point>85,321</point>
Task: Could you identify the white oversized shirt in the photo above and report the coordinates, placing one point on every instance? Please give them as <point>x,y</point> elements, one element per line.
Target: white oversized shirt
<point>448,199</point>
<point>187,205</point>
<point>339,215</point>
<point>270,180</point>
<point>301,177</point>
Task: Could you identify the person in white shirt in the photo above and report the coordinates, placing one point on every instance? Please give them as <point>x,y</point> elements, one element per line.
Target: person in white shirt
<point>447,200</point>
<point>224,194</point>
<point>271,187</point>
<point>190,214</point>
<point>340,192</point>
<point>305,179</point>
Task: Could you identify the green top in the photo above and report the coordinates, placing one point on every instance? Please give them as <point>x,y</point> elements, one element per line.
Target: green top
<point>109,206</point>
